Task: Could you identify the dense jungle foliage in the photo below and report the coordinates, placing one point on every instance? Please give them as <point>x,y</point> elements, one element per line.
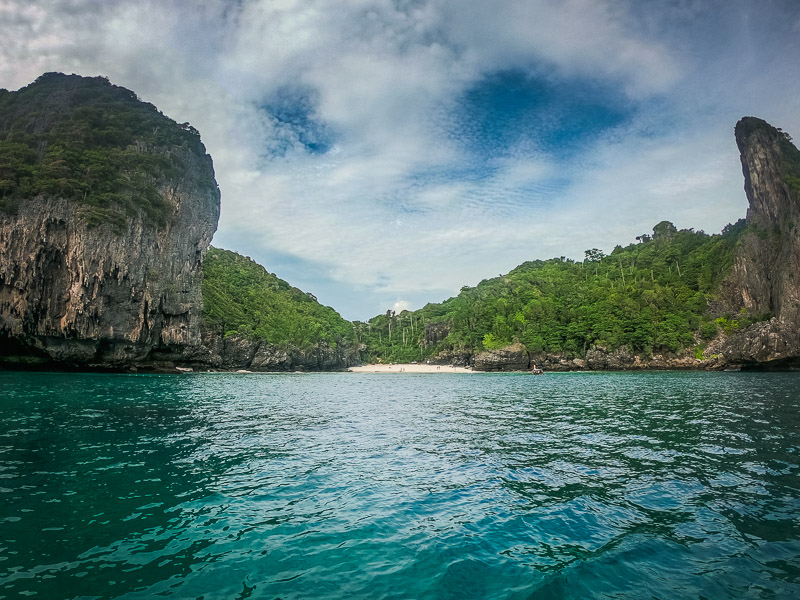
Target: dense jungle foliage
<point>241,297</point>
<point>84,139</point>
<point>651,296</point>
<point>791,163</point>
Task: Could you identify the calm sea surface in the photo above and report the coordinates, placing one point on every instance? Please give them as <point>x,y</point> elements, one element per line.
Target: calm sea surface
<point>594,485</point>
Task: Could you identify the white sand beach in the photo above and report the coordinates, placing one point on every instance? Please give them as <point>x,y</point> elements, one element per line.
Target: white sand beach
<point>410,368</point>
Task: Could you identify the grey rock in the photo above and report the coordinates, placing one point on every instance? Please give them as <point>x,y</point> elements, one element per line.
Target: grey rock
<point>79,293</point>
<point>766,273</point>
<point>451,357</point>
<point>236,352</point>
<point>770,343</point>
<point>510,358</point>
<point>271,358</point>
<point>600,359</point>
<point>92,295</point>
<point>435,333</point>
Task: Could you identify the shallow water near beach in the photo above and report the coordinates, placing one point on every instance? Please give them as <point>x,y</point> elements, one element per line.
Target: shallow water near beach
<point>346,485</point>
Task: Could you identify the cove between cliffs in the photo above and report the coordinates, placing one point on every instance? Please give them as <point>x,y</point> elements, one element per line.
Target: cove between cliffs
<point>116,273</point>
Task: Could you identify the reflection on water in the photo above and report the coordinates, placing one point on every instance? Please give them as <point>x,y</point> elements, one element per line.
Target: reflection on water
<point>606,485</point>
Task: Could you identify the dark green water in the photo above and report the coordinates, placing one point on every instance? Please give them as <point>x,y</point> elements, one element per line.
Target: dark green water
<point>648,485</point>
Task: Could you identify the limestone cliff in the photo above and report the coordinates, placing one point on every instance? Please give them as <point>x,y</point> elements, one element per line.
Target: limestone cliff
<point>93,275</point>
<point>765,280</point>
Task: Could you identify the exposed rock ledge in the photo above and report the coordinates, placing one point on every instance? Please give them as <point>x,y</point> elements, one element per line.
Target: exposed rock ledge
<point>516,358</point>
<point>235,352</point>
<point>511,358</point>
<point>90,296</point>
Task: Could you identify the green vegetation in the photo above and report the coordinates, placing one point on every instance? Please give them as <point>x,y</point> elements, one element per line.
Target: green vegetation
<point>789,153</point>
<point>240,297</point>
<point>90,141</point>
<point>791,163</point>
<point>651,296</point>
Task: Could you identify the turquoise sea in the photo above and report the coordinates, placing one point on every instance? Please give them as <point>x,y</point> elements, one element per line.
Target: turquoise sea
<point>343,485</point>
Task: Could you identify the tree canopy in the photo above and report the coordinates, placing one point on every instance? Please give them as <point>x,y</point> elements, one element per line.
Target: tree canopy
<point>651,296</point>
<point>240,297</point>
<point>86,140</point>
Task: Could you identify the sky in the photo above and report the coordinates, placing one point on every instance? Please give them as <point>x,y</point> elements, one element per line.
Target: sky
<point>384,153</point>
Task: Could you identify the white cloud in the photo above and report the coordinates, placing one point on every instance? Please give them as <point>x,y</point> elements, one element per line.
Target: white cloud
<point>400,306</point>
<point>387,79</point>
<point>583,37</point>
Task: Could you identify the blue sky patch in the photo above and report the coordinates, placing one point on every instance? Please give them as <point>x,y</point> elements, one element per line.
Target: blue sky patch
<point>512,113</point>
<point>292,111</point>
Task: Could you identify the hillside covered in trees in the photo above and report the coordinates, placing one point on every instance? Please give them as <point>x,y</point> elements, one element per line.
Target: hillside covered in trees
<point>84,139</point>
<point>241,298</point>
<point>674,298</point>
<point>652,296</point>
<point>655,296</point>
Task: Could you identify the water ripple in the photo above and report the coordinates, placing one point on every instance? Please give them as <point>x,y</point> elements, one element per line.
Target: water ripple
<point>594,485</point>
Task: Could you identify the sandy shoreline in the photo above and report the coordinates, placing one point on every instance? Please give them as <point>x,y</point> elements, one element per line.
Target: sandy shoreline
<point>409,368</point>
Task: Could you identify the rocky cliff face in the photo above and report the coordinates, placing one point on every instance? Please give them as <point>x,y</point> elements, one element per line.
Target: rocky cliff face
<point>435,333</point>
<point>765,280</point>
<point>239,353</point>
<point>511,358</point>
<point>90,293</point>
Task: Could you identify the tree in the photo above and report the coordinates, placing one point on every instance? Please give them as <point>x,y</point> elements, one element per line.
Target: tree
<point>594,255</point>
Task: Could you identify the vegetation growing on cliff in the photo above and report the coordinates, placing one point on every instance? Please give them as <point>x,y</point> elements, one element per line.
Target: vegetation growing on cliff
<point>789,154</point>
<point>241,297</point>
<point>87,140</point>
<point>791,157</point>
<point>651,296</point>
